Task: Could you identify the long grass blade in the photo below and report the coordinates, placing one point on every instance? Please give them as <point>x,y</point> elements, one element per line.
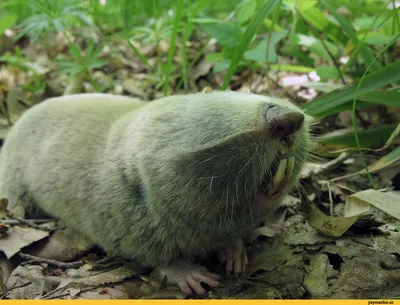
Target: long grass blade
<point>168,68</point>
<point>252,28</point>
<point>324,104</point>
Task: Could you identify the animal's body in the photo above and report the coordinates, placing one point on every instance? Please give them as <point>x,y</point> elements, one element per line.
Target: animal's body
<point>164,182</point>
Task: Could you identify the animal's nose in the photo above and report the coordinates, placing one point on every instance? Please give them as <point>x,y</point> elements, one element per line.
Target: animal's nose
<point>281,121</point>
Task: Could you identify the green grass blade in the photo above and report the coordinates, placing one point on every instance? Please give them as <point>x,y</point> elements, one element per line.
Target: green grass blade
<point>185,37</point>
<point>40,7</point>
<point>168,68</point>
<point>389,98</point>
<point>291,68</point>
<point>370,138</point>
<point>351,33</point>
<point>252,28</point>
<point>139,54</point>
<point>323,105</point>
<point>371,179</point>
<point>386,160</point>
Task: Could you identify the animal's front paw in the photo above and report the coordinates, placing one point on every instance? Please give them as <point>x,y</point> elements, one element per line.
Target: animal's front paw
<point>235,258</point>
<point>189,277</point>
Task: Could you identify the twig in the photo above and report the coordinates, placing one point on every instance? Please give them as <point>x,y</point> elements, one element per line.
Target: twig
<point>30,223</point>
<point>48,296</point>
<point>332,164</point>
<point>38,260</point>
<point>13,288</point>
<point>58,296</point>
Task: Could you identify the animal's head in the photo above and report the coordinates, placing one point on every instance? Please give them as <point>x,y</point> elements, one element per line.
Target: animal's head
<point>220,152</point>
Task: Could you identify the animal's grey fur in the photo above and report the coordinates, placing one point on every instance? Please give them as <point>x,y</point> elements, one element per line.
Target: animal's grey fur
<point>161,182</point>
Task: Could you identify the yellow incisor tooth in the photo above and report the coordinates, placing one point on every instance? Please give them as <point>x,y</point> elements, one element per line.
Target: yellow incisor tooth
<point>280,173</point>
<point>290,167</point>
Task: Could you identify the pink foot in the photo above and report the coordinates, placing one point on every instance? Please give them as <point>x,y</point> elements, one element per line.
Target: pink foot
<point>189,277</point>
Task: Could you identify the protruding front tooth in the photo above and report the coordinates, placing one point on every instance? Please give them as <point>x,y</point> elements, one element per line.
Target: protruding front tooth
<point>290,167</point>
<point>280,173</point>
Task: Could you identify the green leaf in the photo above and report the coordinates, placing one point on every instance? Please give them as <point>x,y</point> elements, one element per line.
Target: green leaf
<point>89,51</point>
<point>365,23</point>
<point>377,38</point>
<point>214,57</point>
<point>321,22</point>
<point>139,54</point>
<point>351,33</point>
<point>97,52</point>
<point>98,64</point>
<point>227,34</point>
<point>320,51</point>
<point>322,87</point>
<point>370,138</point>
<point>325,73</point>
<point>305,4</point>
<point>291,68</point>
<point>7,22</point>
<point>76,52</point>
<point>384,97</point>
<point>246,11</point>
<point>316,45</point>
<point>251,29</point>
<point>258,53</point>
<point>221,65</point>
<point>324,105</point>
<point>387,160</point>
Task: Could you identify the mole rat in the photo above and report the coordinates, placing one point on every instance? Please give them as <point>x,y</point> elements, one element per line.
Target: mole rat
<point>165,182</point>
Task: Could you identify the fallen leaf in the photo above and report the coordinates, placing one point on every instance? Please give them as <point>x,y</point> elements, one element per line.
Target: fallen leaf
<point>329,225</point>
<point>5,271</point>
<point>361,202</point>
<point>18,238</point>
<point>70,285</point>
<point>316,279</point>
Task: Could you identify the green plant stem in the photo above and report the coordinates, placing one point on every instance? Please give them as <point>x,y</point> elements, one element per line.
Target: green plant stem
<point>267,67</point>
<point>172,46</point>
<point>185,38</point>
<point>316,33</point>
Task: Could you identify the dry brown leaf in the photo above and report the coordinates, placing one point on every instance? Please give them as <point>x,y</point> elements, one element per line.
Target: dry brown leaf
<point>361,202</point>
<point>70,285</point>
<point>18,238</point>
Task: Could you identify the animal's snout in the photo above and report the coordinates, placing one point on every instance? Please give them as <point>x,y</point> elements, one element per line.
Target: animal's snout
<point>281,121</point>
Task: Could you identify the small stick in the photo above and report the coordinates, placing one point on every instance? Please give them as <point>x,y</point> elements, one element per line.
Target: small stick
<point>13,288</point>
<point>38,260</point>
<point>18,221</point>
<point>29,223</point>
<point>333,163</point>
